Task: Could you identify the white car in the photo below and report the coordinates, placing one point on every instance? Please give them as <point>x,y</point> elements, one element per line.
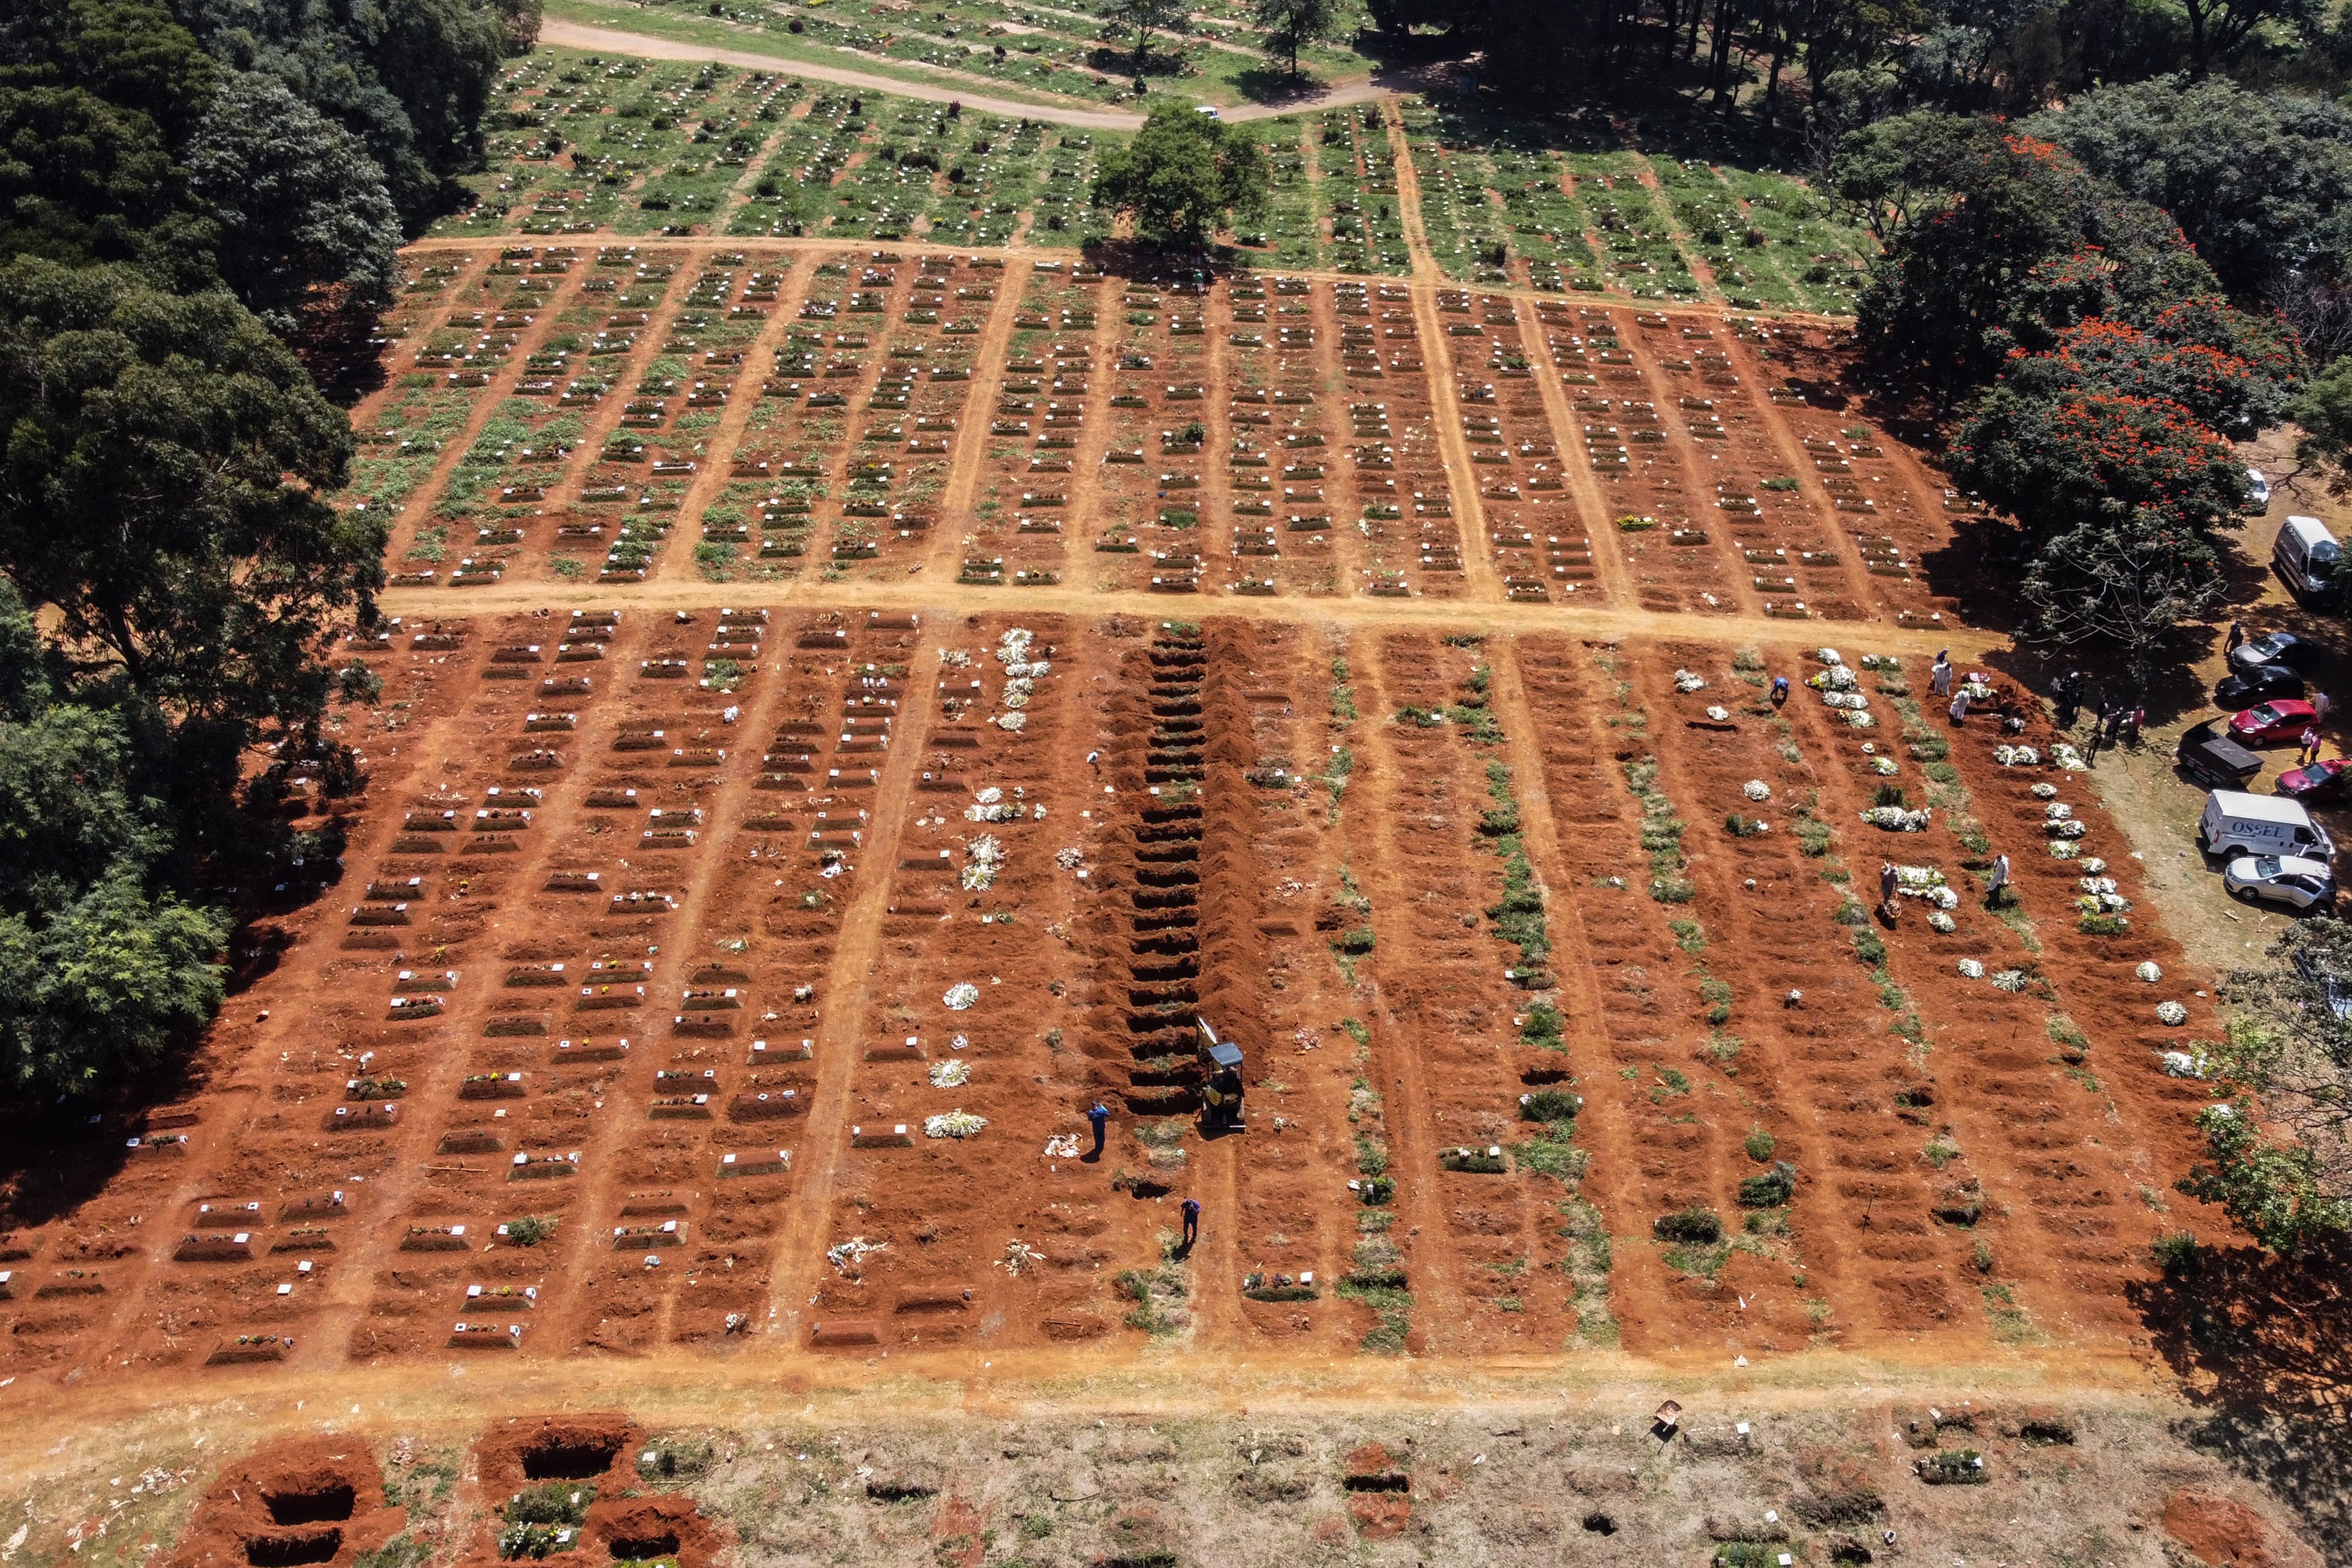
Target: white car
<point>2288,880</point>
<point>2257,490</point>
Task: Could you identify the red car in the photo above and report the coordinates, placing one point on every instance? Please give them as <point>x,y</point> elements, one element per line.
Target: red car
<point>2315,779</point>
<point>2284,719</point>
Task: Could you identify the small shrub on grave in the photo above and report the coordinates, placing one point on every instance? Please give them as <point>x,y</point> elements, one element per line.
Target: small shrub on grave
<point>531,1229</point>
<point>673,1458</point>
<point>1474,1160</point>
<point>1694,1225</point>
<point>2175,1252</point>
<point>551,1503</point>
<point>1954,1468</point>
<point>1771,1190</point>
<point>1550,1105</point>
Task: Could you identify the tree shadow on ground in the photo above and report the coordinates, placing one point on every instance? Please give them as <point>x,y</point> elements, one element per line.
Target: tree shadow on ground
<point>1273,84</point>
<point>2262,1346</point>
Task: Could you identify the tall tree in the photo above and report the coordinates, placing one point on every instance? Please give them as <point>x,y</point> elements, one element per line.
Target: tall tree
<point>101,966</point>
<point>2020,244</point>
<point>1144,17</point>
<point>300,202</point>
<point>162,463</point>
<point>2279,1152</point>
<point>1290,24</point>
<point>410,80</point>
<point>2262,184</point>
<point>1184,176</point>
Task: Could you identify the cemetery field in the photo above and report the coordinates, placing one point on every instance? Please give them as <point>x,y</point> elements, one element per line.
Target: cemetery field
<point>592,145</point>
<point>784,410</point>
<point>738,978</point>
<point>848,709</point>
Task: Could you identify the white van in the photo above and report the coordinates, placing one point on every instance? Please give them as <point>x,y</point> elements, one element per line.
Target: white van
<point>2305,556</point>
<point>2261,825</point>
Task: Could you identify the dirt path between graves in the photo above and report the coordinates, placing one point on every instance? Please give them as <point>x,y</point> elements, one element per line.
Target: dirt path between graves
<point>1611,621</point>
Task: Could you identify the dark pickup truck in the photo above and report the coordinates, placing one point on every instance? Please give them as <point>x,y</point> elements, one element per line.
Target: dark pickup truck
<point>2206,753</point>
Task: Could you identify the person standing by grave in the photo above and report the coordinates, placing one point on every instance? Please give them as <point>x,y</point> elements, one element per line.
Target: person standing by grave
<point>1940,675</point>
<point>1098,1117</point>
<point>1191,1221</point>
<point>1960,706</point>
<point>1779,690</point>
<point>1997,881</point>
<point>1887,889</point>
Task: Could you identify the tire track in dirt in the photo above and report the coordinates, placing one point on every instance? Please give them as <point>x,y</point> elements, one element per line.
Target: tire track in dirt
<point>436,480</point>
<point>1697,310</point>
<point>1534,752</point>
<point>721,445</point>
<point>1408,183</point>
<point>1583,697</point>
<point>1575,457</point>
<point>979,400</point>
<point>1859,585</point>
<point>1497,616</point>
<point>463,1027</point>
<point>1394,1069</point>
<point>1683,457</point>
<point>2061,1130</point>
<point>1679,236</point>
<point>1825,1076</point>
<point>1461,475</point>
<point>824,1141</point>
<point>603,1157</point>
<point>603,420</point>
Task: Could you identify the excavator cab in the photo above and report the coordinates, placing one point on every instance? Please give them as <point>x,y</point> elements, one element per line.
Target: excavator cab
<point>1221,1090</point>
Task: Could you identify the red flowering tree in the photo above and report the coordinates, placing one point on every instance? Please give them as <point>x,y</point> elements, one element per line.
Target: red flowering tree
<point>2120,497</point>
<point>2023,245</point>
<point>2096,456</point>
<point>2221,364</point>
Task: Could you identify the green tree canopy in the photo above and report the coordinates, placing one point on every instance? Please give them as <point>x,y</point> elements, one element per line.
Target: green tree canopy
<point>1292,24</point>
<point>300,202</point>
<point>1184,176</point>
<point>2261,184</point>
<point>2280,1153</point>
<point>101,966</point>
<point>2020,244</point>
<point>162,463</point>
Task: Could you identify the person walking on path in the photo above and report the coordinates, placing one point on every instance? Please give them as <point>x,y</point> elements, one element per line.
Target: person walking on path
<point>1939,675</point>
<point>1997,881</point>
<point>2307,746</point>
<point>1191,1221</point>
<point>1098,1117</point>
<point>2319,706</point>
<point>2236,638</point>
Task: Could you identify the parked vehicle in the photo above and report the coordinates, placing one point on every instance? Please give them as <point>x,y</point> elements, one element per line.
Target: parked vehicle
<point>2258,492</point>
<point>2306,554</point>
<point>2261,825</point>
<point>2274,647</point>
<point>2212,758</point>
<point>2288,880</point>
<point>2284,720</point>
<point>2257,685</point>
<point>2316,781</point>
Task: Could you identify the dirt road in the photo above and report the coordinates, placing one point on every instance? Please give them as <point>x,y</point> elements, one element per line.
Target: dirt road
<point>613,41</point>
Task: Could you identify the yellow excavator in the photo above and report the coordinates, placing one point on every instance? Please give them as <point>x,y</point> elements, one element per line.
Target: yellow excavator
<point>1221,1090</point>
